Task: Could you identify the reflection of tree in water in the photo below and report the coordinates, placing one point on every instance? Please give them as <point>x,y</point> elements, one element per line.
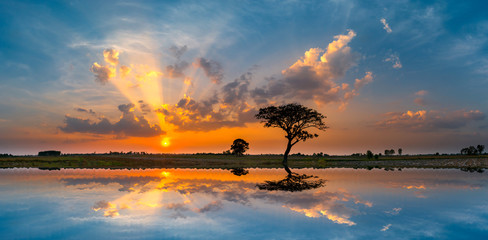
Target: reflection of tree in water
<point>293,183</point>
<point>239,171</point>
<point>473,169</point>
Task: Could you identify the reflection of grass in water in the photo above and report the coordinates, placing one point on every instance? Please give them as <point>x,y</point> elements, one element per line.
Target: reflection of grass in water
<point>293,183</point>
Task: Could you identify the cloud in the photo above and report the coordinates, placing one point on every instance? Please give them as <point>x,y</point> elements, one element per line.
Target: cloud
<point>177,52</point>
<point>226,108</point>
<point>212,69</point>
<point>206,115</point>
<point>145,108</point>
<point>326,204</point>
<point>237,91</point>
<point>315,76</point>
<point>102,73</point>
<point>211,207</point>
<point>386,227</point>
<point>393,58</point>
<point>110,208</point>
<point>126,108</point>
<point>176,70</point>
<point>421,93</point>
<point>385,25</point>
<point>128,125</point>
<point>111,56</point>
<point>102,205</point>
<point>394,211</point>
<point>177,206</point>
<point>82,110</point>
<point>432,120</point>
<point>421,100</point>
<point>125,71</point>
<point>359,83</point>
<point>127,183</point>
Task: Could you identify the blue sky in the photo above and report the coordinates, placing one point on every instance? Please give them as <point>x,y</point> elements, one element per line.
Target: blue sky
<point>426,57</point>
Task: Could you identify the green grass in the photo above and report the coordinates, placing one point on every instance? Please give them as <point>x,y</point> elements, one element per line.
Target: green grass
<point>247,161</point>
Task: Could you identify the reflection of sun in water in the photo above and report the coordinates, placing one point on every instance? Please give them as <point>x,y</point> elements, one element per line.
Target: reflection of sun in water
<point>165,142</point>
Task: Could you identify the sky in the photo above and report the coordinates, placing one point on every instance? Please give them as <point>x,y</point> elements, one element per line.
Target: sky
<point>189,76</point>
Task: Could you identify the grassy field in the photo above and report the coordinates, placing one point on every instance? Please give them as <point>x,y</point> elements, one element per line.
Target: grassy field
<point>248,161</point>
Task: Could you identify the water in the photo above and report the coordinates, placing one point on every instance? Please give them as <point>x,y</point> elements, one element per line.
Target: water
<point>216,204</point>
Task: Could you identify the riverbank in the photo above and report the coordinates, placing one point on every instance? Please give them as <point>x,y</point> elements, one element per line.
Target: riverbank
<point>247,161</point>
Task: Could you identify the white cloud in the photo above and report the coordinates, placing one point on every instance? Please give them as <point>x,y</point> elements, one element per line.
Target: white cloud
<point>394,211</point>
<point>316,75</point>
<point>386,227</point>
<point>395,59</point>
<point>385,25</point>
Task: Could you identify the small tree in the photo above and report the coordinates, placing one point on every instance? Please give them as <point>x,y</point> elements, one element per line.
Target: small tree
<point>400,151</point>
<point>294,119</point>
<point>239,146</point>
<point>369,154</point>
<point>481,149</point>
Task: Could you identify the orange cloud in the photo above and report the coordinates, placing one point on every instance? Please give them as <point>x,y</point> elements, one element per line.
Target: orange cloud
<point>111,56</point>
<point>125,71</point>
<point>102,73</point>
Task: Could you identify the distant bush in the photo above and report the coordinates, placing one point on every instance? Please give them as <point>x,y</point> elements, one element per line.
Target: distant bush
<point>472,150</point>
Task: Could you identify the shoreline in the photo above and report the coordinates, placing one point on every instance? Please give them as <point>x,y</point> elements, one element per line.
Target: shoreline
<point>213,161</point>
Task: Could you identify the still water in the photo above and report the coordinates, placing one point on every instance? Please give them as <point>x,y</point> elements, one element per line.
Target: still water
<point>217,204</point>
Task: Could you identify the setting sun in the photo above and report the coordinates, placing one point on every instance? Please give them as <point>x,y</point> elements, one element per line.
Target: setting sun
<point>165,142</point>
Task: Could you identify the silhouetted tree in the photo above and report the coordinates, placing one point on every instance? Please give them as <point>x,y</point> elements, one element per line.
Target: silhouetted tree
<point>294,119</point>
<point>400,151</point>
<point>369,154</point>
<point>389,152</point>
<point>481,149</point>
<point>471,150</point>
<point>239,146</point>
<point>227,152</point>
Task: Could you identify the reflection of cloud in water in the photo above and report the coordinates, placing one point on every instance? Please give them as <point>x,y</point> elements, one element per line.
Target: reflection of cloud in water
<point>321,203</point>
<point>189,195</point>
<point>128,183</point>
<point>110,208</point>
<point>213,206</point>
<point>184,197</point>
<point>414,187</point>
<point>421,187</point>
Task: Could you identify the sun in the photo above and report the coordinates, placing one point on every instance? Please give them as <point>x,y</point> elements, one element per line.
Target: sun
<point>165,142</point>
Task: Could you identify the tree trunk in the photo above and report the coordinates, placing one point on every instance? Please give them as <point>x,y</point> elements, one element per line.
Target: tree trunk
<point>285,157</point>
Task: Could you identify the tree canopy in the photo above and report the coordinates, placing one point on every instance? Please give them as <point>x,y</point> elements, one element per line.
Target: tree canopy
<point>239,147</point>
<point>294,118</point>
